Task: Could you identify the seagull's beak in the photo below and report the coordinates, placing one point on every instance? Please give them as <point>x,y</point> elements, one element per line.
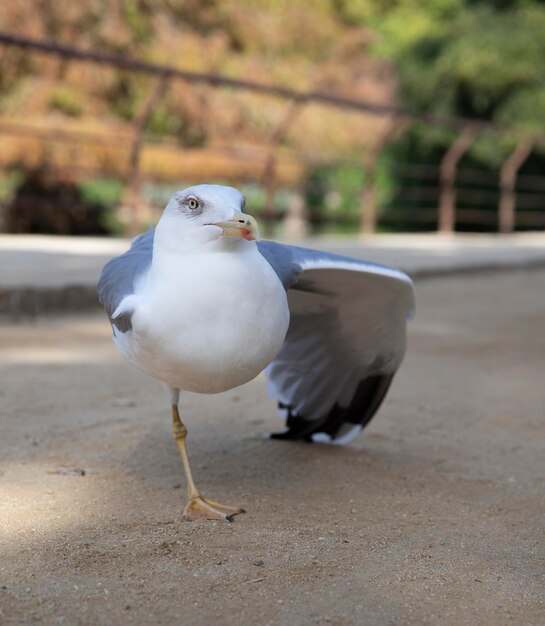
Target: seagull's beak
<point>241,225</point>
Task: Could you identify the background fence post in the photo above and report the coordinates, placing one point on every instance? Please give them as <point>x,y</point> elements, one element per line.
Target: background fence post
<point>132,193</point>
<point>508,179</point>
<point>368,210</point>
<point>295,224</point>
<point>268,181</point>
<point>268,177</point>
<point>447,176</point>
<point>368,194</point>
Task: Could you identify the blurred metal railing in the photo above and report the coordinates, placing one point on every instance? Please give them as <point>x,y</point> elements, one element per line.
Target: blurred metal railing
<point>515,202</point>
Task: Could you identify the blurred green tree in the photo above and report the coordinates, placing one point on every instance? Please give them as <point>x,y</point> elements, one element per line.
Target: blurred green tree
<point>475,59</point>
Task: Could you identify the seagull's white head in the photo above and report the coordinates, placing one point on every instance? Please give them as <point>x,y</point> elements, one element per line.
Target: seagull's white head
<point>205,213</point>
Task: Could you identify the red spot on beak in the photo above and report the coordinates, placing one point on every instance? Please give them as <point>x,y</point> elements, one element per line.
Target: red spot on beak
<point>246,234</point>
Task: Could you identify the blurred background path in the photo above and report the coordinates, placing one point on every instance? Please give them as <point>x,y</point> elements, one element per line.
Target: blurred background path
<point>44,273</point>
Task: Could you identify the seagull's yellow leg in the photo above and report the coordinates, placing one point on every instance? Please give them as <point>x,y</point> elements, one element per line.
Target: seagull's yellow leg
<point>197,506</point>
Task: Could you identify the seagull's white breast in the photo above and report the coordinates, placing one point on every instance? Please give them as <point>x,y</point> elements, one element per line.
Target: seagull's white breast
<point>207,322</point>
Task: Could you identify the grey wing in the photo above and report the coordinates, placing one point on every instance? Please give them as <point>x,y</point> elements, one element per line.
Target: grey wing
<point>120,275</point>
<point>346,340</point>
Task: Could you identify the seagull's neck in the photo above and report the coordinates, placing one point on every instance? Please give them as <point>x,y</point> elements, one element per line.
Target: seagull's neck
<point>169,255</point>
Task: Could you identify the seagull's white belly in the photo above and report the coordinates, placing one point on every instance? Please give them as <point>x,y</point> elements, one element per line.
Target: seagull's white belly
<point>209,324</point>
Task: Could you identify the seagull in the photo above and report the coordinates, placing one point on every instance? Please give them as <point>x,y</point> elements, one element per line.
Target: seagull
<point>200,304</point>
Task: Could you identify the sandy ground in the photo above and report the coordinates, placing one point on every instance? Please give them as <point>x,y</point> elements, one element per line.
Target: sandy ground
<point>435,515</point>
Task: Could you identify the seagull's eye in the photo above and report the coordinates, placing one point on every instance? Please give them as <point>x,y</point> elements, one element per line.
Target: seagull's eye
<point>193,204</point>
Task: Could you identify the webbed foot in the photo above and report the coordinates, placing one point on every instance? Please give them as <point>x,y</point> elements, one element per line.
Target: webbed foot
<point>202,508</point>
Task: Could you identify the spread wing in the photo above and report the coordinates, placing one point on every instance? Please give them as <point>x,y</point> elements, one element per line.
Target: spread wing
<point>345,341</point>
<point>119,279</point>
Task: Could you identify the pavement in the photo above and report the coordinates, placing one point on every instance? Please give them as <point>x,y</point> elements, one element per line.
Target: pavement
<point>46,273</point>
<point>434,515</point>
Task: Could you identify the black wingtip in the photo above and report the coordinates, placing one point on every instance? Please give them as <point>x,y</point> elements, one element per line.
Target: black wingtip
<point>365,402</point>
<point>291,435</point>
<point>281,436</point>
